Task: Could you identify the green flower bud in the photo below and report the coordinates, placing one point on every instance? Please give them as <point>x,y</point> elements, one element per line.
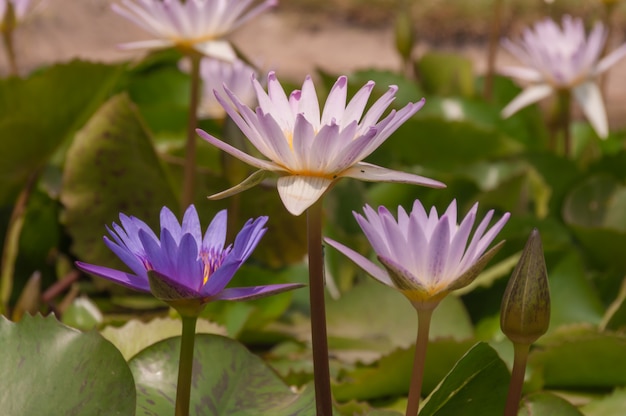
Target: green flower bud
<point>405,39</point>
<point>525,310</point>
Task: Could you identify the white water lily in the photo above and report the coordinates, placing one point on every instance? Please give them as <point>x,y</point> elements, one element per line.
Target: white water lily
<point>192,24</point>
<point>558,58</point>
<point>309,150</point>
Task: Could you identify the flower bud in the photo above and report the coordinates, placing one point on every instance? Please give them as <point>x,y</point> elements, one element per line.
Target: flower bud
<point>525,310</point>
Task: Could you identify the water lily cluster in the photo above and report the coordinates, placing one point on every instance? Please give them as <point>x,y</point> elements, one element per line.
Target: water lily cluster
<point>200,189</point>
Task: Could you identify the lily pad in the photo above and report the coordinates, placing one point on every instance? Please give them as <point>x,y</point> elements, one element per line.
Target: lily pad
<point>135,335</point>
<point>228,380</point>
<point>51,369</point>
<point>547,404</point>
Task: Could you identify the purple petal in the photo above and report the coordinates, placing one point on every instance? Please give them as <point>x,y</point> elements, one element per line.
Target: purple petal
<point>254,292</point>
<point>215,236</point>
<point>125,279</point>
<point>191,224</point>
<point>363,262</point>
<point>129,258</point>
<point>170,222</point>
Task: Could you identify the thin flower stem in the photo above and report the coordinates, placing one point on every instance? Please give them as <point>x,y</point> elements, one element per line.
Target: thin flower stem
<point>7,39</point>
<point>417,377</point>
<point>189,180</point>
<point>321,370</point>
<point>494,36</point>
<point>185,366</point>
<point>564,118</point>
<point>517,379</point>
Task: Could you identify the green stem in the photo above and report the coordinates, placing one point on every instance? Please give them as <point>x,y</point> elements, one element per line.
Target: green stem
<point>417,377</point>
<point>185,366</point>
<point>564,118</point>
<point>517,379</point>
<point>189,178</point>
<point>321,370</point>
<point>494,36</point>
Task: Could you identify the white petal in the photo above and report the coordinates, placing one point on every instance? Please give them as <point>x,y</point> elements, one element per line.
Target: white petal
<point>363,262</point>
<point>300,192</point>
<point>530,95</point>
<point>147,44</point>
<point>589,97</point>
<point>244,157</point>
<point>218,49</point>
<point>523,73</point>
<point>372,173</point>
<point>611,59</point>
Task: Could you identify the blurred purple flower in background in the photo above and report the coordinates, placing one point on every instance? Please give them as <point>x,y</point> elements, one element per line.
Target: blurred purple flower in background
<point>198,25</point>
<point>559,58</point>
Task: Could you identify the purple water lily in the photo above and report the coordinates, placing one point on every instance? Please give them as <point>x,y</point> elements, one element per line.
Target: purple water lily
<point>183,265</point>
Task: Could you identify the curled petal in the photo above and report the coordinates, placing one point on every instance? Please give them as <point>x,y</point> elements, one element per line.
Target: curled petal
<point>372,173</point>
<point>300,192</point>
<point>529,96</point>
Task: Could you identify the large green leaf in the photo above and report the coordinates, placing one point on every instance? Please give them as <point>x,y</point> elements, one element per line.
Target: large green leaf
<point>477,385</point>
<point>371,320</point>
<point>228,380</point>
<point>580,357</point>
<point>546,404</point>
<point>51,369</point>
<point>573,298</point>
<point>41,111</point>
<point>136,335</point>
<point>111,167</point>
<point>391,375</point>
<point>611,405</point>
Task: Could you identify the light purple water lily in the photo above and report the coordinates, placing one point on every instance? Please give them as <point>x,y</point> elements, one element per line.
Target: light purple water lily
<point>21,8</point>
<point>216,74</point>
<point>425,256</point>
<point>183,265</point>
<point>562,58</point>
<point>192,24</point>
<point>311,150</point>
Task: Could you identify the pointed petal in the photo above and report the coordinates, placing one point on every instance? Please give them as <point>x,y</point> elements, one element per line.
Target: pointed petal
<point>611,59</point>
<point>529,96</point>
<point>218,49</point>
<point>170,222</point>
<point>244,157</point>
<point>254,292</point>
<point>336,102</point>
<point>147,44</point>
<point>589,98</point>
<point>124,279</point>
<point>366,264</point>
<point>191,224</point>
<point>252,180</point>
<point>472,273</point>
<point>215,235</point>
<point>372,173</point>
<point>127,257</point>
<point>520,72</point>
<point>300,192</point>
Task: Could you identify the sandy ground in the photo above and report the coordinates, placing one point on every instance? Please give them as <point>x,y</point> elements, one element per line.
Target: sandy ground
<point>293,44</point>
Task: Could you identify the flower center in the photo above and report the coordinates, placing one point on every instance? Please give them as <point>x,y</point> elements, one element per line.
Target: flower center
<point>212,260</point>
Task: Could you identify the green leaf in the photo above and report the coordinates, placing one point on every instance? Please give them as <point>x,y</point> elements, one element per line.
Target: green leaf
<point>371,320</point>
<point>580,357</point>
<point>546,404</point>
<point>40,112</point>
<point>477,385</point>
<point>111,167</point>
<point>574,299</point>
<point>446,74</point>
<point>613,404</point>
<point>51,369</point>
<point>228,381</point>
<point>391,375</point>
<point>136,335</point>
